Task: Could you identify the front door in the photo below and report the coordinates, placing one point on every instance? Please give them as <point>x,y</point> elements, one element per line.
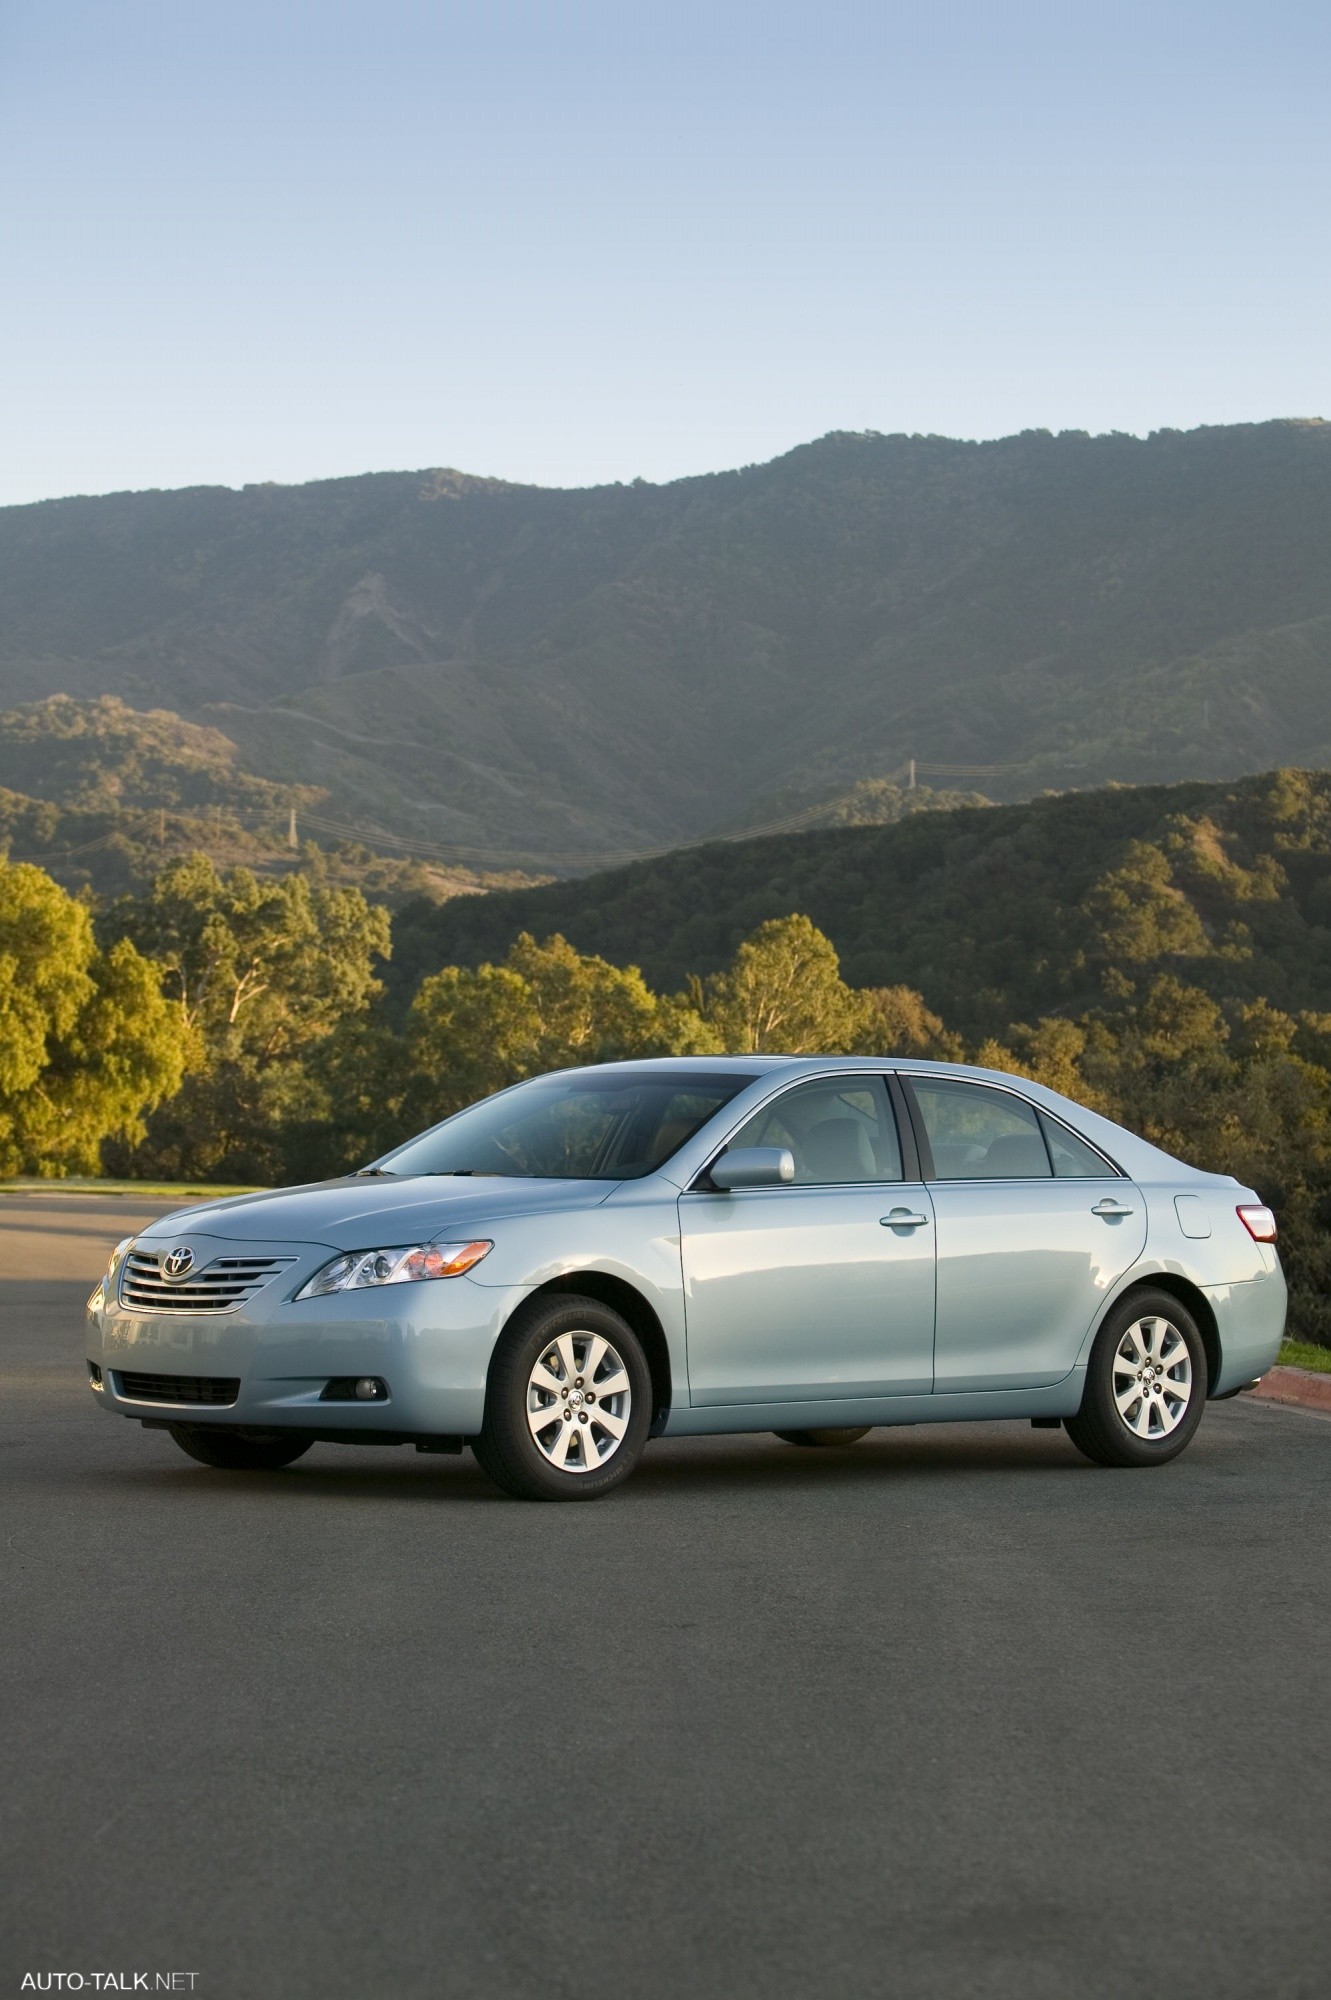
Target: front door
<point>822,1288</point>
<point>1034,1228</point>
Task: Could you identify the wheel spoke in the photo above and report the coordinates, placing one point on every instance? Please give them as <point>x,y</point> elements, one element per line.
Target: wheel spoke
<point>541,1420</point>
<point>568,1358</point>
<point>558,1451</point>
<point>616,1426</point>
<point>613,1385</point>
<point>1125,1398</point>
<point>592,1359</point>
<point>542,1378</point>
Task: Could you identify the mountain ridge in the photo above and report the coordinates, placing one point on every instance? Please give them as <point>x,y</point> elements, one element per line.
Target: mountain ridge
<point>574,671</point>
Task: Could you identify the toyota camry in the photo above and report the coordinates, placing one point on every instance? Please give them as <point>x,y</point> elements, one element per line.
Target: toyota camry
<point>811,1246</point>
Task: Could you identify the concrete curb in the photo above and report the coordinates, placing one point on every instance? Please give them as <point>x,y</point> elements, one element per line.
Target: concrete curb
<point>1295,1385</point>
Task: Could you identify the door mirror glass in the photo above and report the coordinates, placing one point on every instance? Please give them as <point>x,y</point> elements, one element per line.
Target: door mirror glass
<point>753,1166</point>
<point>979,1134</point>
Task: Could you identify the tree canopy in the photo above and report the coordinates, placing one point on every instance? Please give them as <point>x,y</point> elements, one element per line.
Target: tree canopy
<point>88,1045</point>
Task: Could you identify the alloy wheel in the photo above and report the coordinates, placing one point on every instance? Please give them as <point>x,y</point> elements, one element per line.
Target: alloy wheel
<point>578,1402</point>
<point>1152,1377</point>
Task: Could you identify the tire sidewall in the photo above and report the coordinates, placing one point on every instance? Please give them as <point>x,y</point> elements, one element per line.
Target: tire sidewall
<point>1128,1447</point>
<point>506,1448</point>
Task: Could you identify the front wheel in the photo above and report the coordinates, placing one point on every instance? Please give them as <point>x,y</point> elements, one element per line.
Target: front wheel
<point>1145,1384</point>
<point>240,1450</point>
<point>569,1402</point>
<point>829,1437</point>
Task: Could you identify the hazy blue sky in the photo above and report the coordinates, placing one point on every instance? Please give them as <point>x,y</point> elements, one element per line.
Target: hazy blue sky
<point>266,239</point>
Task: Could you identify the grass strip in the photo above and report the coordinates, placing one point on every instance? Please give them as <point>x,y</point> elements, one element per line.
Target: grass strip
<point>1303,1354</point>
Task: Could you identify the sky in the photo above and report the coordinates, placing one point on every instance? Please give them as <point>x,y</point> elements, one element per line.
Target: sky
<point>601,240</point>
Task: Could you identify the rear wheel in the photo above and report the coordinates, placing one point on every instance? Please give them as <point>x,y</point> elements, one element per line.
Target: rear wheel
<point>237,1450</point>
<point>568,1404</point>
<point>849,1436</point>
<point>1145,1384</point>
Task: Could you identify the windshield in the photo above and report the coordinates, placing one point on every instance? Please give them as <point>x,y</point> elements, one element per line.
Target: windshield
<point>581,1125</point>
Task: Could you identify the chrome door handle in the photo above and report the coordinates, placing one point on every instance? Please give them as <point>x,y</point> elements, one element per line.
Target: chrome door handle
<point>903,1218</point>
<point>1109,1207</point>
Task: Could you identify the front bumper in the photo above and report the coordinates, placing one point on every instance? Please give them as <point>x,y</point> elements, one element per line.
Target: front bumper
<point>430,1342</point>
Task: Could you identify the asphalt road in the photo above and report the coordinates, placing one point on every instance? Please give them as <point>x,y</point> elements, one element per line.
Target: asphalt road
<point>947,1713</point>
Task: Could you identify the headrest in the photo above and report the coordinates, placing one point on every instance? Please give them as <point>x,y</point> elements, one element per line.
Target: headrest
<point>838,1149</point>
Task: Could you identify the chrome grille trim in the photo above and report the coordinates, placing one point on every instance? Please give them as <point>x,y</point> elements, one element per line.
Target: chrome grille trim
<point>222,1286</point>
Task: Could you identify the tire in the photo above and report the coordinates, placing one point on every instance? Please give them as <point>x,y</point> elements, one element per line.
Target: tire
<point>829,1437</point>
<point>240,1450</point>
<point>1145,1384</point>
<point>553,1353</point>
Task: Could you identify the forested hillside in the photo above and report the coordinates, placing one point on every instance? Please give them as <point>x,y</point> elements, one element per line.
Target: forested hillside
<point>557,676</point>
<point>102,796</point>
<point>995,916</point>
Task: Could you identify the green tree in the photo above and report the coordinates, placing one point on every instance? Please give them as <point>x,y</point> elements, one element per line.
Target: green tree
<point>1136,911</point>
<point>261,973</point>
<point>898,1023</point>
<point>784,994</point>
<point>547,1006</point>
<point>87,1044</point>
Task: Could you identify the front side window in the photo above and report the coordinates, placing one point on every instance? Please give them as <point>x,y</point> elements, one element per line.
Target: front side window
<point>579,1125</point>
<point>977,1134</point>
<point>837,1132</point>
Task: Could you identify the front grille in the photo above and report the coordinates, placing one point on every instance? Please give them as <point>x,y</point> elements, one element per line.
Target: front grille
<point>218,1287</point>
<point>219,1390</point>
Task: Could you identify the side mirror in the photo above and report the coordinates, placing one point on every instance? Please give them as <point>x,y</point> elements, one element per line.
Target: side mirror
<point>753,1166</point>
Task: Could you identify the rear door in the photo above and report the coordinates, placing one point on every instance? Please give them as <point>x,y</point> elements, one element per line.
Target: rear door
<point>1033,1225</point>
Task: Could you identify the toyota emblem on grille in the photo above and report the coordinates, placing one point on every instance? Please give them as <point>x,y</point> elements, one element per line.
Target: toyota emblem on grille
<point>178,1263</point>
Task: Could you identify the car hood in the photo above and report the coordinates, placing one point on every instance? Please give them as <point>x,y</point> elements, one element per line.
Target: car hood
<point>360,1212</point>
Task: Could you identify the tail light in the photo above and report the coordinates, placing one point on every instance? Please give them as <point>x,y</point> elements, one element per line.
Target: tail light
<point>1259,1222</point>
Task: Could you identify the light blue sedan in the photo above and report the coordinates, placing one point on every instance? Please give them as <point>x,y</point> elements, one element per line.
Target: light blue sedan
<point>806,1245</point>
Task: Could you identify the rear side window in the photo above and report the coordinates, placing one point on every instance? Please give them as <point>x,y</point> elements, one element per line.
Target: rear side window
<point>838,1132</point>
<point>979,1134</point>
<point>1073,1159</point>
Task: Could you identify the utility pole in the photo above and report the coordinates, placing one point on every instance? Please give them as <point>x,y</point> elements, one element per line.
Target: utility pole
<point>910,782</point>
<point>161,826</point>
<point>292,841</point>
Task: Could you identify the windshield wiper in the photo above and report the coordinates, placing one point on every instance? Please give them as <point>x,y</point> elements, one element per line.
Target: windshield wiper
<point>375,1173</point>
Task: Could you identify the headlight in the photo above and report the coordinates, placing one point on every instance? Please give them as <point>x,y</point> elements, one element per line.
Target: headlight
<point>393,1267</point>
<point>106,1288</point>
